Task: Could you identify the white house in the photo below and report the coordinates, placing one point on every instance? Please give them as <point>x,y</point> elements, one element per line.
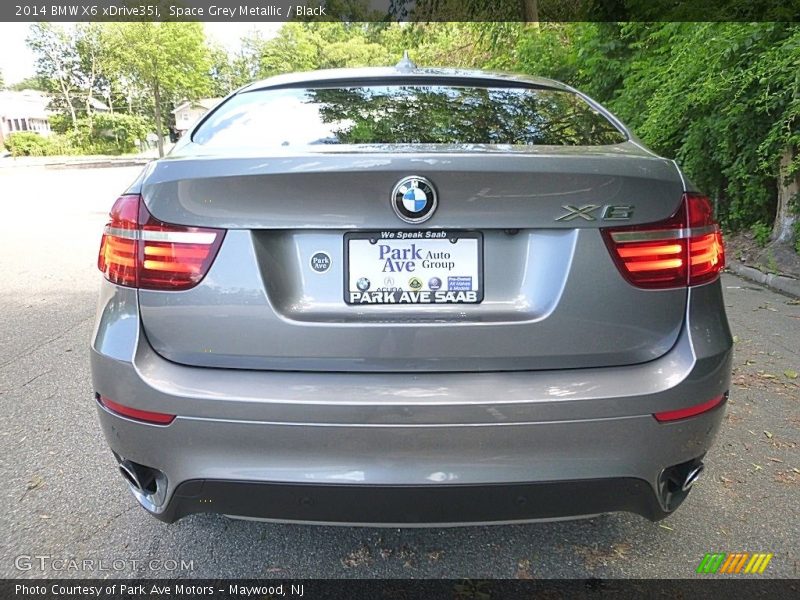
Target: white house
<point>98,106</point>
<point>188,113</point>
<point>23,111</point>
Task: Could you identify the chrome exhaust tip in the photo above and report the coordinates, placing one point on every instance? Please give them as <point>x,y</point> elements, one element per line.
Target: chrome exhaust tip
<point>147,484</point>
<point>675,482</point>
<point>692,476</point>
<point>130,475</point>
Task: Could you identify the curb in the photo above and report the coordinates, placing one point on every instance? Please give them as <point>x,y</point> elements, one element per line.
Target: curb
<point>780,283</point>
<point>100,164</point>
<point>97,163</point>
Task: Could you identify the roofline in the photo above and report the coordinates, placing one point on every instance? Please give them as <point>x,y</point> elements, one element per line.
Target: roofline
<point>181,106</point>
<point>326,77</point>
<point>190,103</point>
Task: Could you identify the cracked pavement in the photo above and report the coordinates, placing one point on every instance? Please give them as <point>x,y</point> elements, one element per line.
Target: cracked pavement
<point>64,498</point>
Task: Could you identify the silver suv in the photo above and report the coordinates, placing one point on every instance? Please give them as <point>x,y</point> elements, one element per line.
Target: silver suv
<point>410,296</point>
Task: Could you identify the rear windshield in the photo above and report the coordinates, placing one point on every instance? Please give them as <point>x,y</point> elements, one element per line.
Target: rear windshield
<point>406,114</point>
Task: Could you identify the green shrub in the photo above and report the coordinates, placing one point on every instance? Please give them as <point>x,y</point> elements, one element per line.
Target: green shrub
<point>60,122</point>
<point>104,133</point>
<point>28,143</point>
<point>761,233</point>
<point>108,133</point>
<point>721,98</point>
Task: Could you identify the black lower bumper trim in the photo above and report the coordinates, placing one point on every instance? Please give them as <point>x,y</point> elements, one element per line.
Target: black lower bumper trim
<point>414,505</point>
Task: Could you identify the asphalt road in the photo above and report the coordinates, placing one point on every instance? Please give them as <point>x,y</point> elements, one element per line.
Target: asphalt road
<point>63,498</point>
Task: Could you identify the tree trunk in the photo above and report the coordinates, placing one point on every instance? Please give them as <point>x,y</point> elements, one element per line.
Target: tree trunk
<point>63,84</point>
<point>157,99</point>
<point>72,114</point>
<point>65,93</point>
<point>788,189</point>
<point>90,85</point>
<point>530,9</point>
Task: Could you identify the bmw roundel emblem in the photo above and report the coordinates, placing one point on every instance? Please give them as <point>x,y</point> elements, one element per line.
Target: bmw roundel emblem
<point>414,199</point>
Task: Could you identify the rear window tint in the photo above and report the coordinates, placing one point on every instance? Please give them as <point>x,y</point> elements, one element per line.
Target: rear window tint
<point>406,114</point>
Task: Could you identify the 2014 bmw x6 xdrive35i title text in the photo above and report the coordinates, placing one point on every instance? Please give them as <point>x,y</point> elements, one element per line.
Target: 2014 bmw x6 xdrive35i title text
<point>410,296</point>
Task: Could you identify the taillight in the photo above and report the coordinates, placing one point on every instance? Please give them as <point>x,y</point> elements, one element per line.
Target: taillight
<point>138,250</point>
<point>118,249</point>
<point>686,249</point>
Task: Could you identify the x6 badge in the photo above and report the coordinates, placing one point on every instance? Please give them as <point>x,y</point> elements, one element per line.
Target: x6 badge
<point>610,212</point>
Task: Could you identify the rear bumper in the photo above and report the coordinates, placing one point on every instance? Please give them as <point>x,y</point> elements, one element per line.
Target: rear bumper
<point>405,475</point>
<point>415,505</point>
<point>406,449</point>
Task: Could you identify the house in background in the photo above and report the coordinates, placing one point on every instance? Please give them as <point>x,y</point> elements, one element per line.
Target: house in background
<point>98,106</point>
<point>23,111</point>
<point>188,113</point>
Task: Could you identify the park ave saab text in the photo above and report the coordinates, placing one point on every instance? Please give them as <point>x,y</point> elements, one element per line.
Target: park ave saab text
<point>404,259</point>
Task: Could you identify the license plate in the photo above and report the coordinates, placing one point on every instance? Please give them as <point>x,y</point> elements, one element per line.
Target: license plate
<point>413,267</point>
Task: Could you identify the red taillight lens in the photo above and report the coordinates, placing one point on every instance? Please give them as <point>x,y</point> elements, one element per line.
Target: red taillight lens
<point>686,249</point>
<point>692,411</point>
<point>174,257</point>
<point>706,257</point>
<point>147,416</point>
<point>118,248</point>
<point>138,250</point>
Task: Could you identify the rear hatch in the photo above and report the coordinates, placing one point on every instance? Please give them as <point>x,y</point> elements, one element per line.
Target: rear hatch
<point>513,247</point>
<point>552,296</point>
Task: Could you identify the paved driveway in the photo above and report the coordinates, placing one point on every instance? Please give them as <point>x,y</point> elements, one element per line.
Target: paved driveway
<point>63,498</point>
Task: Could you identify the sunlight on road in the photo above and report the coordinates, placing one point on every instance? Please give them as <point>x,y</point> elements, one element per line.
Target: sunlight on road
<point>51,225</point>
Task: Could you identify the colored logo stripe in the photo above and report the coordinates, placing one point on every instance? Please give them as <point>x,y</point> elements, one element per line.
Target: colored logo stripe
<point>721,562</point>
<point>758,563</point>
<point>711,563</point>
<point>735,562</point>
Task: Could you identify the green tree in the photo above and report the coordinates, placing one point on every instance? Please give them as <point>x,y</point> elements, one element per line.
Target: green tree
<point>320,45</point>
<point>232,70</point>
<point>57,63</point>
<point>90,51</point>
<point>460,10</point>
<point>168,60</point>
<point>469,45</point>
<point>31,83</point>
<point>722,98</point>
<point>69,64</point>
